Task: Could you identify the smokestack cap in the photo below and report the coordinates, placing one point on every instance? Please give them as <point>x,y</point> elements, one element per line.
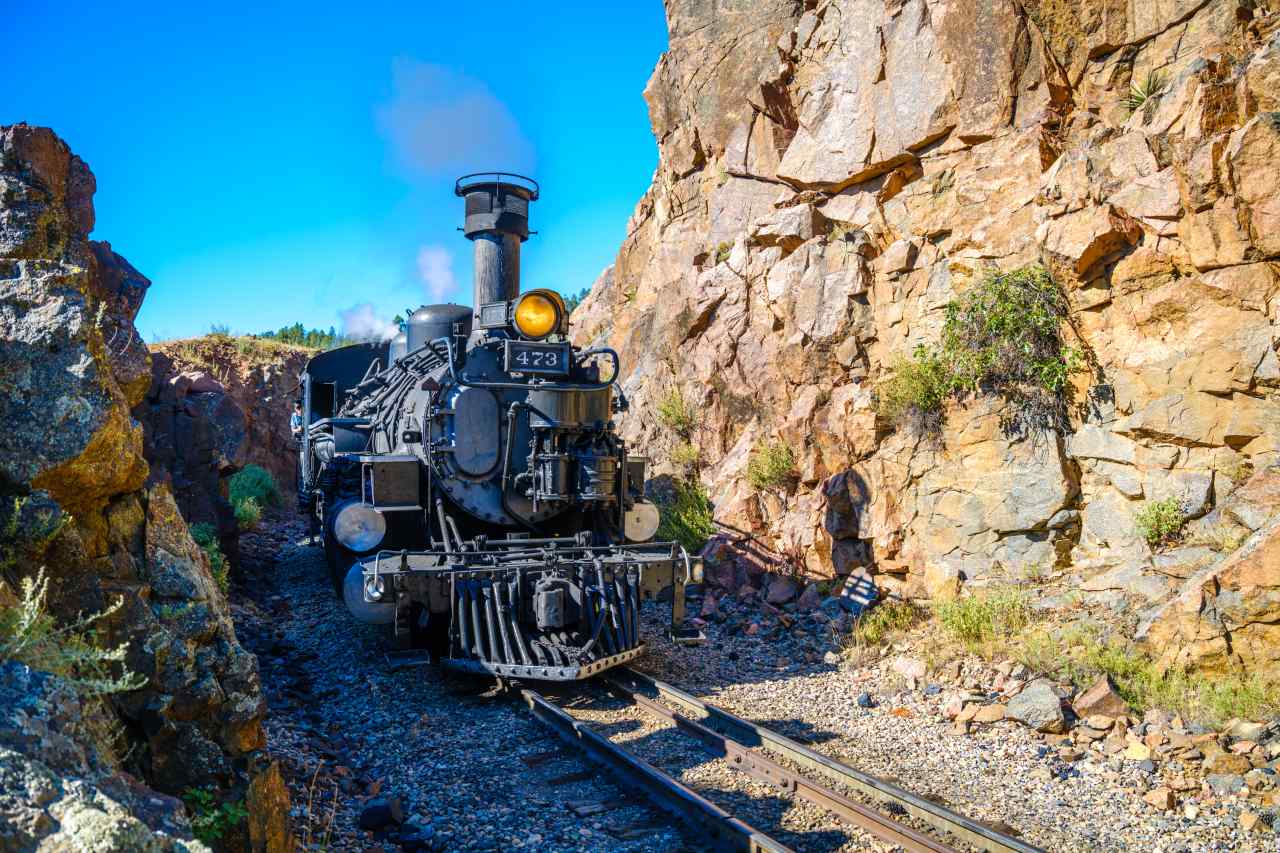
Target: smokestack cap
<point>496,202</point>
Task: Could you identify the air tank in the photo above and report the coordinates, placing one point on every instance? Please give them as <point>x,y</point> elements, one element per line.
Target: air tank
<point>437,321</point>
<point>399,346</point>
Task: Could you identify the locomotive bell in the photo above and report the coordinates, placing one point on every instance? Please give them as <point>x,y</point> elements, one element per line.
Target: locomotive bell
<point>497,222</point>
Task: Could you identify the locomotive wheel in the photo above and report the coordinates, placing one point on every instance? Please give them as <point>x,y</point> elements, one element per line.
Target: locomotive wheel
<point>339,560</point>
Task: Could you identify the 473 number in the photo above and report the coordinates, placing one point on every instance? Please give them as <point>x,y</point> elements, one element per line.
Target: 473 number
<point>537,358</point>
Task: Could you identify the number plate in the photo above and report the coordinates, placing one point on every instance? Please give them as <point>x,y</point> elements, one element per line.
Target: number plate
<point>526,357</point>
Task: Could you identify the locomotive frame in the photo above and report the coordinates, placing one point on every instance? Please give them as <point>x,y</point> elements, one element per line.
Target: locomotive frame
<point>469,484</point>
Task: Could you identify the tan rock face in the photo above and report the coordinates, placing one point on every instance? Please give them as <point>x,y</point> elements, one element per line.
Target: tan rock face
<point>1228,614</point>
<point>833,175</point>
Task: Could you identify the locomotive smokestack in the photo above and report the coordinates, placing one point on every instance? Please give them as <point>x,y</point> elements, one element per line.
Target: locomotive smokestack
<point>497,222</point>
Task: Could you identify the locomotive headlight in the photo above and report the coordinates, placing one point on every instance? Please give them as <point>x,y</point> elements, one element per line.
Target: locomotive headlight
<point>359,527</point>
<point>536,315</point>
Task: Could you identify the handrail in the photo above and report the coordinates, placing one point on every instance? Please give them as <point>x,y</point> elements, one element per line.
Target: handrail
<point>458,188</point>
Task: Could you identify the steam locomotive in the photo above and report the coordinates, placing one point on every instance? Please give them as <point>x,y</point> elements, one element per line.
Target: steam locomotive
<point>468,481</point>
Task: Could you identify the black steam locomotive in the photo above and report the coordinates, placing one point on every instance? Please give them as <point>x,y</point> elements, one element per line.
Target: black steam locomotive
<point>468,482</point>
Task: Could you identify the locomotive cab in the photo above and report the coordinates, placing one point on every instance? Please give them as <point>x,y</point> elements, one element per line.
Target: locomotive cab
<point>470,485</point>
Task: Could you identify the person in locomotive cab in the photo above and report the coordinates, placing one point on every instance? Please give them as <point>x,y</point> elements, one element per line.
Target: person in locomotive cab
<point>295,421</point>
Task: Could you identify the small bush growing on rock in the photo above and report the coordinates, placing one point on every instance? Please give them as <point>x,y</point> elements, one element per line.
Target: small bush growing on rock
<point>915,391</point>
<point>722,252</point>
<point>253,481</point>
<point>686,517</point>
<point>206,536</point>
<point>886,619</point>
<point>676,413</point>
<point>26,531</point>
<point>1144,93</point>
<point>211,819</point>
<point>29,635</point>
<point>772,464</point>
<point>685,454</point>
<point>1160,522</point>
<point>1002,337</point>
<point>248,514</point>
<point>983,617</point>
<point>1075,654</point>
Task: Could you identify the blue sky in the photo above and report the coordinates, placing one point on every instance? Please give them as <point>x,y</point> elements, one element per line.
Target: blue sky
<point>296,162</point>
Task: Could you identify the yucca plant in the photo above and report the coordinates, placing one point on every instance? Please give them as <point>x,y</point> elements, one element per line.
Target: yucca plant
<point>1144,93</point>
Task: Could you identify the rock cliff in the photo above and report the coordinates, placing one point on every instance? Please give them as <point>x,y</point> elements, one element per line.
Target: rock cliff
<point>75,495</point>
<point>214,405</point>
<point>225,402</point>
<point>834,173</point>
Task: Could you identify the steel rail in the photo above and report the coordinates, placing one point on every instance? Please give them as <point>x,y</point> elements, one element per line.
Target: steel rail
<point>767,770</point>
<point>719,829</point>
<point>750,734</point>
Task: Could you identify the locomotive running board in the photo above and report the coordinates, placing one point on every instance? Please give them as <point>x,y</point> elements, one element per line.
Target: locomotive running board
<point>545,673</point>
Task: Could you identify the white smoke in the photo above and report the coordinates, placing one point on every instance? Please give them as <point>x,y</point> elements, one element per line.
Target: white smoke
<point>442,122</point>
<point>435,268</point>
<point>361,321</point>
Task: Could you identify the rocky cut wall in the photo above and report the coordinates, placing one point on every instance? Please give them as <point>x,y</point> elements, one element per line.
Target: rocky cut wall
<point>833,173</point>
<point>74,491</point>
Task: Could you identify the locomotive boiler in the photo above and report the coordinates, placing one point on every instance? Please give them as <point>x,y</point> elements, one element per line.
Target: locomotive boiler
<point>468,481</point>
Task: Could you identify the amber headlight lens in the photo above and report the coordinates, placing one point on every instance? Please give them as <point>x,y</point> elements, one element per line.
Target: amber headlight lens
<point>536,316</point>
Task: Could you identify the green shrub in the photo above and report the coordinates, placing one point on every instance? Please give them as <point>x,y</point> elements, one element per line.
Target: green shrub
<point>723,251</point>
<point>983,617</point>
<point>206,536</point>
<point>676,413</point>
<point>1160,522</point>
<point>1002,337</point>
<point>211,819</point>
<point>26,531</point>
<point>29,635</point>
<point>686,517</point>
<point>1076,655</point>
<point>772,464</point>
<point>253,481</point>
<point>913,394</point>
<point>248,513</point>
<point>886,619</point>
<point>685,454</point>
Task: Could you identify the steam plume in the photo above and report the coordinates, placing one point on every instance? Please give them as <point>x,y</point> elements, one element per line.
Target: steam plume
<point>442,122</point>
<point>362,322</point>
<point>435,267</point>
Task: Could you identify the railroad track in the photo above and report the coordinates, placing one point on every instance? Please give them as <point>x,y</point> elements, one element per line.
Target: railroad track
<point>769,757</point>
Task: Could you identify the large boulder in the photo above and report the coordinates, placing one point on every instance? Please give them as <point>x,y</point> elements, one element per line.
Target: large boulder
<point>56,790</point>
